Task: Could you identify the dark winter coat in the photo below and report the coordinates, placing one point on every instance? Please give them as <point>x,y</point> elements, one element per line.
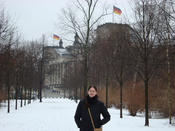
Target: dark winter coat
<point>97,108</point>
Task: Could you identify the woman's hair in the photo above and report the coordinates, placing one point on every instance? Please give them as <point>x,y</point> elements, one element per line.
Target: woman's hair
<point>86,101</point>
<point>92,87</point>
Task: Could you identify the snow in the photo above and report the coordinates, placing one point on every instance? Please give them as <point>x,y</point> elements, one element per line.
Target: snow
<point>58,115</point>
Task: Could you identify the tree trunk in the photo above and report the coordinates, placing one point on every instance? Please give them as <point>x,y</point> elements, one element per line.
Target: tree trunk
<point>168,71</point>
<point>107,90</point>
<point>25,94</point>
<point>133,113</point>
<point>146,104</point>
<point>85,82</point>
<point>169,83</point>
<point>8,78</point>
<point>16,99</point>
<point>76,94</point>
<point>41,81</point>
<point>121,101</point>
<point>33,92</point>
<point>8,90</point>
<point>16,90</point>
<point>30,95</point>
<point>21,95</point>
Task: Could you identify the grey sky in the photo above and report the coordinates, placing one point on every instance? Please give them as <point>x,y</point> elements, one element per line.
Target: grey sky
<point>36,17</point>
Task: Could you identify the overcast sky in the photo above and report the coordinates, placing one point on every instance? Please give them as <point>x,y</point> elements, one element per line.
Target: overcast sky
<point>36,17</point>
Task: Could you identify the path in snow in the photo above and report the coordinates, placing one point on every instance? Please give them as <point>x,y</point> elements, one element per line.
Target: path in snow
<point>58,115</point>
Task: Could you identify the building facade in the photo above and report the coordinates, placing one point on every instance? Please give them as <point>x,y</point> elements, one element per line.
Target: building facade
<point>56,62</point>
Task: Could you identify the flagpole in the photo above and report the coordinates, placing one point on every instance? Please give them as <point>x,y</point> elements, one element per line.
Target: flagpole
<point>52,41</point>
<point>113,15</point>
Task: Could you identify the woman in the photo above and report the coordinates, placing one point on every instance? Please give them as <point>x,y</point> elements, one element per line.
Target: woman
<point>82,116</point>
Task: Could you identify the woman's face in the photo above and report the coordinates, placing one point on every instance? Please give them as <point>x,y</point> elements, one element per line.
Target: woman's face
<point>92,92</point>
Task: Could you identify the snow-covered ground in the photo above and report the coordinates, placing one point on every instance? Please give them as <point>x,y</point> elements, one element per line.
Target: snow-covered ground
<point>58,115</point>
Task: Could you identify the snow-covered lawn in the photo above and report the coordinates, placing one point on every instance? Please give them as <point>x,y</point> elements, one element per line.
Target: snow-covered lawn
<point>58,115</point>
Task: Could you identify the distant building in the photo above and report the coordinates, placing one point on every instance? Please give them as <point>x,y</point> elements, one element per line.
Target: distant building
<point>76,49</point>
<point>58,63</point>
<point>56,60</point>
<point>106,30</point>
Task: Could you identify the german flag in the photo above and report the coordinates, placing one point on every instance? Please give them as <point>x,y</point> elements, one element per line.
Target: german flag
<point>56,37</point>
<point>117,10</point>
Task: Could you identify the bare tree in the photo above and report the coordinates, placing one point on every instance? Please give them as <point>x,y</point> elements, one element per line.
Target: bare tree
<point>7,40</point>
<point>121,59</point>
<point>166,36</point>
<point>102,61</point>
<point>19,55</point>
<point>146,50</point>
<point>26,71</point>
<point>113,39</point>
<point>84,27</point>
